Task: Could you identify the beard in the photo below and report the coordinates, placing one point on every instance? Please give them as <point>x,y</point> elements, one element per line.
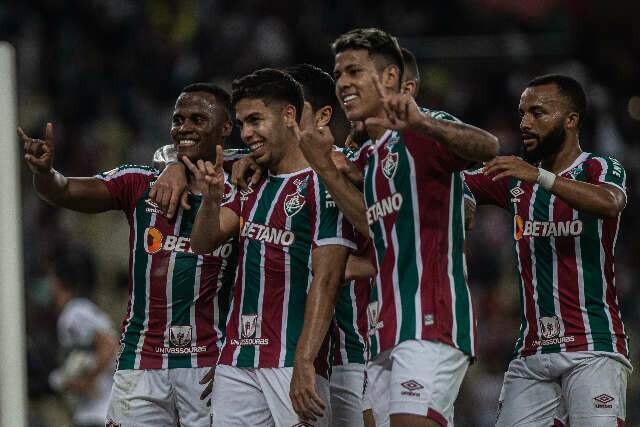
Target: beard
<point>548,145</point>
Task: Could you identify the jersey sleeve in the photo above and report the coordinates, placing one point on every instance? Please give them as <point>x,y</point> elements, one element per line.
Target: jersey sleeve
<point>359,157</point>
<point>330,227</point>
<point>127,183</point>
<point>483,190</point>
<point>606,170</point>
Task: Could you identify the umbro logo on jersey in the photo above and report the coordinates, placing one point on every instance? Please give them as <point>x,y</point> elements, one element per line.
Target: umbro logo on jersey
<point>516,192</point>
<point>603,401</point>
<point>384,207</point>
<point>153,207</point>
<point>522,228</point>
<point>390,165</point>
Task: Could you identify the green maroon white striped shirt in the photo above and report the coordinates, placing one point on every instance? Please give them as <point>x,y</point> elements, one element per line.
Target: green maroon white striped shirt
<point>565,258</point>
<point>177,300</point>
<point>283,218</point>
<point>413,192</point>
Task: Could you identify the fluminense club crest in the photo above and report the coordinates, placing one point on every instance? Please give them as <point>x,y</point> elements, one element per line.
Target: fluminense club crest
<point>180,336</point>
<point>295,201</point>
<point>249,322</point>
<point>550,327</point>
<point>390,164</point>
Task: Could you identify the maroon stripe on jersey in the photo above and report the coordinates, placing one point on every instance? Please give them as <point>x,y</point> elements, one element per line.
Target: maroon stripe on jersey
<point>274,285</point>
<point>609,230</point>
<point>157,301</point>
<point>522,209</point>
<point>435,286</point>
<point>204,310</point>
<point>568,285</point>
<point>388,315</point>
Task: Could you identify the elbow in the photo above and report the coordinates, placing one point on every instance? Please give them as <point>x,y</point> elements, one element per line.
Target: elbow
<point>492,147</point>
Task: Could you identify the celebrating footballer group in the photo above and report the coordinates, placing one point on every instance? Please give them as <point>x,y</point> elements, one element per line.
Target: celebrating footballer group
<point>308,281</point>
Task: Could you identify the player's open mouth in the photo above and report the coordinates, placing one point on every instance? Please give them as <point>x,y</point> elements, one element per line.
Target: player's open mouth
<point>186,142</point>
<point>348,99</point>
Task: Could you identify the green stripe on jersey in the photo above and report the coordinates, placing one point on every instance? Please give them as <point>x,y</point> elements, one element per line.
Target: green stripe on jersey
<point>300,251</point>
<point>543,255</point>
<point>132,333</point>
<point>254,251</point>
<point>462,309</point>
<point>593,281</point>
<point>407,269</point>
<point>345,307</point>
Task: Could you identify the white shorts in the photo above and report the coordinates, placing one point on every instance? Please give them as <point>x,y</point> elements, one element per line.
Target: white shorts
<point>366,398</point>
<point>416,377</point>
<point>158,397</point>
<point>577,388</point>
<point>347,387</point>
<point>260,397</point>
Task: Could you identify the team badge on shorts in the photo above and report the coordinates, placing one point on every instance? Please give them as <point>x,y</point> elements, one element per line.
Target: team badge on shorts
<point>390,165</point>
<point>180,336</point>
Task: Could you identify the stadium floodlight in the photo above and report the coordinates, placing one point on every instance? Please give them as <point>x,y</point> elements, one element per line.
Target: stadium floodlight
<point>12,350</point>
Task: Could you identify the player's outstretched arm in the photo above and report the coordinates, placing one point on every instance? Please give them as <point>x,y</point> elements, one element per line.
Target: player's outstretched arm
<point>213,225</point>
<point>171,185</point>
<point>79,194</point>
<point>317,146</point>
<point>466,141</point>
<point>603,200</point>
<point>328,263</point>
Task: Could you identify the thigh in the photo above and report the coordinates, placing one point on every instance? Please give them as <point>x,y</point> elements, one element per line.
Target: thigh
<point>275,383</point>
<point>142,397</point>
<point>595,391</point>
<point>528,399</point>
<point>378,380</point>
<point>192,412</point>
<point>237,399</point>
<point>346,388</point>
<point>425,379</point>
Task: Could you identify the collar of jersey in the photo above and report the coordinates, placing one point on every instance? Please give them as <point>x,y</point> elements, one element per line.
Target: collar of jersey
<point>385,136</point>
<point>290,174</point>
<point>581,158</point>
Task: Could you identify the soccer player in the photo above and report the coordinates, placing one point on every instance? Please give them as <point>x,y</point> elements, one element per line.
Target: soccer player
<point>171,332</point>
<point>89,345</point>
<point>566,205</point>
<point>421,320</point>
<point>293,247</point>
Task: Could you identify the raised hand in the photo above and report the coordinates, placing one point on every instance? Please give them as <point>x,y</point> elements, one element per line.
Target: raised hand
<point>316,143</point>
<point>38,153</point>
<point>511,166</point>
<point>208,177</point>
<point>243,169</point>
<point>169,188</point>
<point>401,110</point>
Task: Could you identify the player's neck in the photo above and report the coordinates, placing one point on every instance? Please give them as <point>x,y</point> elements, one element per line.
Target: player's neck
<point>564,158</point>
<point>376,132</point>
<point>292,161</point>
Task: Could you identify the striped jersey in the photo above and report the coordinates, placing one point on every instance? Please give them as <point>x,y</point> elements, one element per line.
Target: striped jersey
<point>351,325</point>
<point>413,193</point>
<point>565,259</point>
<point>283,218</point>
<point>178,300</point>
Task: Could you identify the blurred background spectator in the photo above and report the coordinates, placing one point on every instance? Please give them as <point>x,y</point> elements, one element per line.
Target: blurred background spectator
<point>106,73</point>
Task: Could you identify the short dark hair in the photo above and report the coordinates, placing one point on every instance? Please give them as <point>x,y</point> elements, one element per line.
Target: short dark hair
<point>269,85</point>
<point>373,40</point>
<point>410,65</point>
<point>318,86</point>
<point>221,95</point>
<point>567,86</point>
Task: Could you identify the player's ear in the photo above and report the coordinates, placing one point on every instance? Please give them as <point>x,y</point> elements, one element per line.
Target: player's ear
<point>572,120</point>
<point>391,77</point>
<point>289,115</point>
<point>323,116</point>
<point>409,88</point>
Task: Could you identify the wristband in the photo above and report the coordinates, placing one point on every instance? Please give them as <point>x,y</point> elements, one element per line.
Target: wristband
<point>546,179</point>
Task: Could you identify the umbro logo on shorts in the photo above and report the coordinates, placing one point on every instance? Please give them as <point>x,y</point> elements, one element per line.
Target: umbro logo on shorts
<point>411,386</point>
<point>603,401</point>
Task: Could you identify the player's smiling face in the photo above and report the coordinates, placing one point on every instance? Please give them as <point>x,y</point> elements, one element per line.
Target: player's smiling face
<point>354,72</point>
<point>198,125</point>
<point>263,128</point>
<point>543,112</point>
